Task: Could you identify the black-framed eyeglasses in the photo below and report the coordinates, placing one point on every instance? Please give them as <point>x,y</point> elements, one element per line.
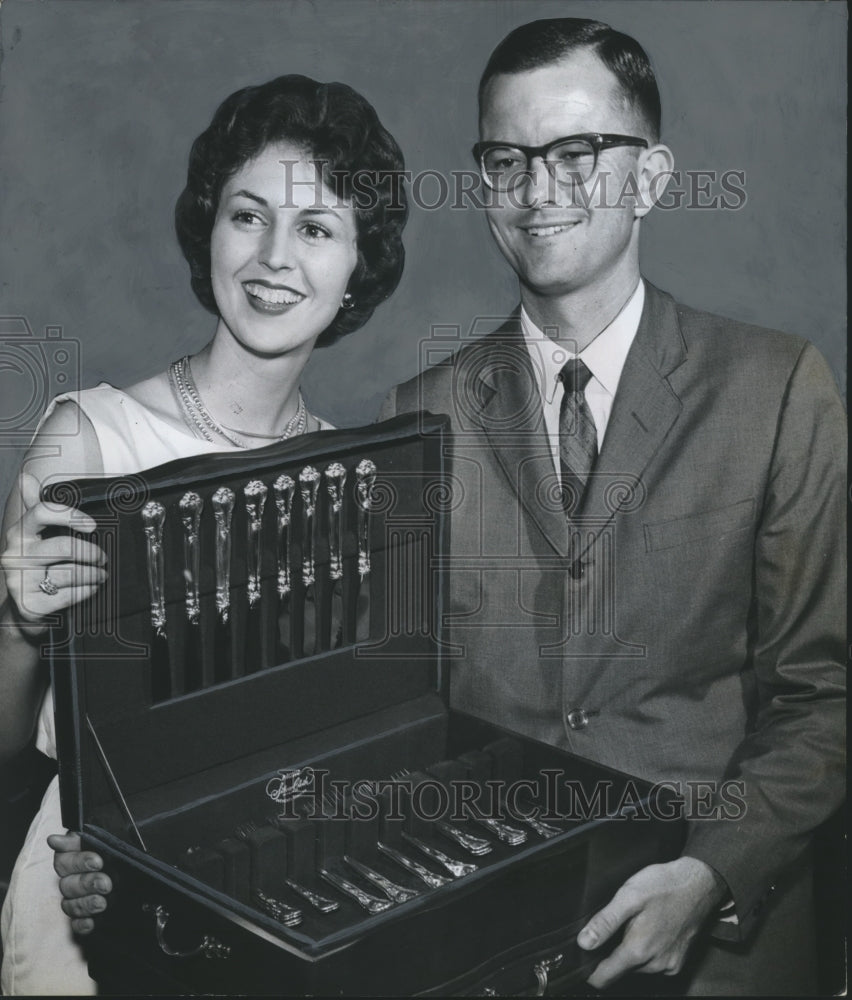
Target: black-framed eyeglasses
<point>570,160</point>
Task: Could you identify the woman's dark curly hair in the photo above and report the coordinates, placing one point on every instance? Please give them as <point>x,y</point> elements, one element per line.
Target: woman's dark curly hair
<point>360,160</point>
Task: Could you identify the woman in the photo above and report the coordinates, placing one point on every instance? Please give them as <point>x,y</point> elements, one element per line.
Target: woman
<point>291,222</point>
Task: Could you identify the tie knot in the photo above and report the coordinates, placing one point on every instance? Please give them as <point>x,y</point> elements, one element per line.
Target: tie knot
<point>574,375</point>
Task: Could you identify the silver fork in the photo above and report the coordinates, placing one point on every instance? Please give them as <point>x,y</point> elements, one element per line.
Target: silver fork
<point>321,903</point>
<point>430,878</point>
<point>287,915</point>
<point>456,868</point>
<point>371,904</point>
<point>502,831</point>
<point>542,829</point>
<point>476,845</point>
<point>395,893</point>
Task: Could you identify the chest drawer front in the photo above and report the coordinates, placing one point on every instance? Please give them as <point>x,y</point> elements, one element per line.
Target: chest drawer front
<point>179,942</point>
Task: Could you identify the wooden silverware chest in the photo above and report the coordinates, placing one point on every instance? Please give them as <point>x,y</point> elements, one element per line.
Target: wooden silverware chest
<point>254,732</point>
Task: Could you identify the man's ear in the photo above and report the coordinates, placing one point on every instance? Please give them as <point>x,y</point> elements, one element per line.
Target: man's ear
<point>655,167</point>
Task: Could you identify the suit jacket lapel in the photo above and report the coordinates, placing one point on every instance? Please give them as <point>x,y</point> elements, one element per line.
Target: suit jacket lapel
<point>511,416</point>
<point>643,412</point>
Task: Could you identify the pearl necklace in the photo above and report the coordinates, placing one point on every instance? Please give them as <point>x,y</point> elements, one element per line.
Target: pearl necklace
<point>186,392</point>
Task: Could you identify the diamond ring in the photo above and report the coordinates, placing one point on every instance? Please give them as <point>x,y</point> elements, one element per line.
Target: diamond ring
<point>47,586</point>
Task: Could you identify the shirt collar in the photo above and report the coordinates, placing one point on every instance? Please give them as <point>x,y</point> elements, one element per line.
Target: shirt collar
<point>604,356</point>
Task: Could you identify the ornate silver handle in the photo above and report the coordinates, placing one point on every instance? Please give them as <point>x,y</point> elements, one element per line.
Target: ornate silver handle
<point>370,903</point>
<point>542,970</point>
<point>476,845</point>
<point>287,915</point>
<point>395,893</point>
<point>430,878</point>
<point>190,511</point>
<point>457,868</point>
<point>209,946</point>
<point>502,831</point>
<point>335,480</point>
<point>309,486</point>
<point>153,518</point>
<point>318,902</point>
<point>365,479</point>
<point>284,488</point>
<point>223,508</point>
<point>542,829</point>
<point>255,499</point>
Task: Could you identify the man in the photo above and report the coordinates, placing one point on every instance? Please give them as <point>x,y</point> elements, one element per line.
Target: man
<point>648,556</point>
<point>680,615</point>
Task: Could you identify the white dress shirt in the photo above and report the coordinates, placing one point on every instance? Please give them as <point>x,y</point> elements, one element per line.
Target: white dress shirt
<point>604,357</point>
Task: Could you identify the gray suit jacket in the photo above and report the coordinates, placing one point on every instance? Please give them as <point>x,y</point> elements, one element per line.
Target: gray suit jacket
<point>688,625</point>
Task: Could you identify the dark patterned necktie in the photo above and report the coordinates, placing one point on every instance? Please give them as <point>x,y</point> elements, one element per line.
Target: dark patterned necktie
<point>578,440</point>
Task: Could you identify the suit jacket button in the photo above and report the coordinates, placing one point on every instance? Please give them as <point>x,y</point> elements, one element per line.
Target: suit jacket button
<point>578,718</point>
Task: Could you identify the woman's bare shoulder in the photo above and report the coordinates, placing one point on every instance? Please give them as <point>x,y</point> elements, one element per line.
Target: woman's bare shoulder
<point>66,444</point>
<point>156,395</point>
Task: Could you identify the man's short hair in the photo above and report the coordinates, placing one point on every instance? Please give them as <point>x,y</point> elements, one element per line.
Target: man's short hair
<point>541,43</point>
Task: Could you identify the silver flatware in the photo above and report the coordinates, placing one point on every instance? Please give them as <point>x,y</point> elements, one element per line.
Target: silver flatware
<point>283,489</point>
<point>395,893</point>
<point>223,509</point>
<point>542,829</point>
<point>502,831</point>
<point>430,878</point>
<point>255,501</point>
<point>309,488</point>
<point>190,512</point>
<point>367,902</point>
<point>309,481</point>
<point>476,845</point>
<point>456,868</point>
<point>365,480</point>
<point>278,910</point>
<point>153,518</point>
<point>335,480</point>
<point>318,902</point>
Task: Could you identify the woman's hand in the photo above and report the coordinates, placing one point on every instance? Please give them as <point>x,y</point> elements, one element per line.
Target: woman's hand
<point>81,881</point>
<point>74,566</point>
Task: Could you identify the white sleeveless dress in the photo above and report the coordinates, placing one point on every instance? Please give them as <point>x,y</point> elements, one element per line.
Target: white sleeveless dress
<point>41,956</point>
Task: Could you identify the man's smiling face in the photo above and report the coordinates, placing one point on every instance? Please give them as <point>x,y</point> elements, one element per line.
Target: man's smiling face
<point>555,241</point>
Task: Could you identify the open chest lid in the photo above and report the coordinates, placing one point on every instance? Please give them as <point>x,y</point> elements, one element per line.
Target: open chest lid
<point>256,601</point>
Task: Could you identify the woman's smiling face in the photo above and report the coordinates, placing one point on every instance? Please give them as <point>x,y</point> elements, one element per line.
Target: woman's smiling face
<point>282,251</point>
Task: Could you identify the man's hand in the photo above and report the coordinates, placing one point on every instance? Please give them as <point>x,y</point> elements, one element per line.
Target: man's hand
<point>81,880</point>
<point>662,908</point>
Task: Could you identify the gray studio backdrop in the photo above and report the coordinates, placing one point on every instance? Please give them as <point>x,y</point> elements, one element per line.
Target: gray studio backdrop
<point>100,102</point>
